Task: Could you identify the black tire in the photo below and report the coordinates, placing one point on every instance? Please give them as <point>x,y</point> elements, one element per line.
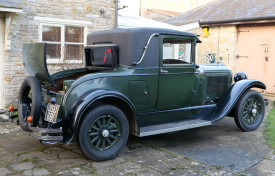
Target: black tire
<point>119,122</point>
<point>29,106</point>
<point>249,112</point>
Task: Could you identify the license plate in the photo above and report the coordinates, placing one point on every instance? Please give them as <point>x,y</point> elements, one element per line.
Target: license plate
<point>51,113</point>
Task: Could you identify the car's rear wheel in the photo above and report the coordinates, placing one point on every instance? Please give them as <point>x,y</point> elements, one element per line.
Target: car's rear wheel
<point>29,102</point>
<point>103,133</point>
<point>250,110</point>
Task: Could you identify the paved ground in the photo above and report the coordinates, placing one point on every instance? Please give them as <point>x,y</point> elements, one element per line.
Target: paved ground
<point>221,149</point>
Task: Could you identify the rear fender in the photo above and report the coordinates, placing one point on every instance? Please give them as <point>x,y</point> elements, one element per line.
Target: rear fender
<point>73,119</point>
<point>232,96</point>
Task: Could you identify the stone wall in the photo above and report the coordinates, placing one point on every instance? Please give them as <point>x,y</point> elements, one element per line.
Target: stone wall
<point>25,30</point>
<point>222,41</point>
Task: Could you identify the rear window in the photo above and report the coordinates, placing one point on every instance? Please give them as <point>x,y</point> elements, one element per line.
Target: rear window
<point>100,55</point>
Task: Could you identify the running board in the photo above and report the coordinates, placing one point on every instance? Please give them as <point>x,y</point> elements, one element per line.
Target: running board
<point>51,139</point>
<point>49,130</point>
<point>170,127</point>
<point>48,135</point>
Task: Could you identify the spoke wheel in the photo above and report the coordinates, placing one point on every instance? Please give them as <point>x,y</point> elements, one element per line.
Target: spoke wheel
<point>250,110</point>
<point>103,133</point>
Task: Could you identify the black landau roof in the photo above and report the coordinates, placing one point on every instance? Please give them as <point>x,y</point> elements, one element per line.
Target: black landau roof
<point>131,43</point>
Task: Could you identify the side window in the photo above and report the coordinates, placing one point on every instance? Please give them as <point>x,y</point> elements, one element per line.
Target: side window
<point>177,51</point>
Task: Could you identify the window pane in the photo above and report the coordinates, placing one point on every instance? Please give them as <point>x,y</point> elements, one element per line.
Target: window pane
<point>176,51</point>
<point>53,51</point>
<point>74,52</point>
<point>51,33</point>
<point>74,34</point>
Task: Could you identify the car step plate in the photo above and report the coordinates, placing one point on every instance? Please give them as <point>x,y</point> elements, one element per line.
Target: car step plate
<point>171,127</point>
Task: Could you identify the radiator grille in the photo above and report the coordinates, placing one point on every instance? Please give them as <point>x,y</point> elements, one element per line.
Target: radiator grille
<point>216,84</point>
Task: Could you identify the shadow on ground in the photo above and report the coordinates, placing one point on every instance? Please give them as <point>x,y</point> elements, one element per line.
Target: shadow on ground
<point>223,145</point>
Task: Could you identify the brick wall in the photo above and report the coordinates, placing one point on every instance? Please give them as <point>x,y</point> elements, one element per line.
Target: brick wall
<point>222,41</point>
<point>25,30</point>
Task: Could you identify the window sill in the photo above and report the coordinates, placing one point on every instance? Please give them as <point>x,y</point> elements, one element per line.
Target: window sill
<point>58,62</point>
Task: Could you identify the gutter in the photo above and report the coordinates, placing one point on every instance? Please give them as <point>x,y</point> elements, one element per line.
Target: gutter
<point>207,23</point>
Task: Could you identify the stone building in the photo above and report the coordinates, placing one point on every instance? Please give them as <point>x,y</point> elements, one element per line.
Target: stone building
<point>239,34</point>
<point>62,24</point>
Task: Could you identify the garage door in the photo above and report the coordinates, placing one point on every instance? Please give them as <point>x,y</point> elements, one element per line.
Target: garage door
<point>1,63</point>
<point>256,54</point>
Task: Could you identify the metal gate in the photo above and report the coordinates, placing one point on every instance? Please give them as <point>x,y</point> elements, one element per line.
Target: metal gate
<point>256,54</point>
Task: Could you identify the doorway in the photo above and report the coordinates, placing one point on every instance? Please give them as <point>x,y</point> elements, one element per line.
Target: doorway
<point>256,54</point>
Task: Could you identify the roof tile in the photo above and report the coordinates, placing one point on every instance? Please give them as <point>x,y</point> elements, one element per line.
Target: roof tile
<point>226,10</point>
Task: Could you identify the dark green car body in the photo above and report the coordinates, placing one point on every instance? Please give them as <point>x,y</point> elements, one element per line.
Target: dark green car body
<point>155,96</point>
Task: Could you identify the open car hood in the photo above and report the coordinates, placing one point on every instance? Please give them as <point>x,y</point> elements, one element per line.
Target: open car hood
<point>34,61</point>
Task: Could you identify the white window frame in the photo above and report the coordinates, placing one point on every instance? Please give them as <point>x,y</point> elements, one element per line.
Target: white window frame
<point>62,23</point>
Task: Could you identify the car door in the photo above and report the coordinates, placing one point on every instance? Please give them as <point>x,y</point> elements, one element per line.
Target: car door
<point>177,72</point>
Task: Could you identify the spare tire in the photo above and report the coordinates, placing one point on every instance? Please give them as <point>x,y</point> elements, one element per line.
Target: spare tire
<point>29,102</point>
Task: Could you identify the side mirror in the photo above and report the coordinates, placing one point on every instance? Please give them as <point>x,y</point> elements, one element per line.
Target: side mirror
<point>197,66</point>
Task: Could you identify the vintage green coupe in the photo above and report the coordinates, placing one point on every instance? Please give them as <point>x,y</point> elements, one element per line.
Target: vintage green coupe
<point>142,81</point>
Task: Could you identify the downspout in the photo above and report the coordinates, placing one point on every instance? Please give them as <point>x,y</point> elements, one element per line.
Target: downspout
<point>116,9</point>
<point>1,64</point>
<point>218,54</point>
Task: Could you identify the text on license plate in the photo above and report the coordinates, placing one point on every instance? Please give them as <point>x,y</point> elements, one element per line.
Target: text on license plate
<point>51,113</point>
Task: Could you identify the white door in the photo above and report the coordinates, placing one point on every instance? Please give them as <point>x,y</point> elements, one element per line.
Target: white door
<point>1,62</point>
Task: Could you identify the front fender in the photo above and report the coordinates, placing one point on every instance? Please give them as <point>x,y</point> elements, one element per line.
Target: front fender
<point>231,97</point>
<point>72,120</point>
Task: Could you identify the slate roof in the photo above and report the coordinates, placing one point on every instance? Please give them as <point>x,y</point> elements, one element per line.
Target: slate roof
<point>167,12</point>
<point>127,21</point>
<point>227,10</point>
<point>11,4</point>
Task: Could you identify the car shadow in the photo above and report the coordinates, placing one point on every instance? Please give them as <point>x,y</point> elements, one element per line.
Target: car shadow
<point>222,144</point>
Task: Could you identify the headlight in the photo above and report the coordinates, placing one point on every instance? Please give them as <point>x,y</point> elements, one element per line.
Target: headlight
<point>239,76</point>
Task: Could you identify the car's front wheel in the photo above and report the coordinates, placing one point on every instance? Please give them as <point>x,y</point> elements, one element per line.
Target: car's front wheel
<point>250,111</point>
<point>103,133</point>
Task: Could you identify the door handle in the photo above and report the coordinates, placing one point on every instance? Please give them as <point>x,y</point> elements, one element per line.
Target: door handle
<point>163,71</point>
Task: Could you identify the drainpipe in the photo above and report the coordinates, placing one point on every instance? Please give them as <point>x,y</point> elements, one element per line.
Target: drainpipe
<point>116,9</point>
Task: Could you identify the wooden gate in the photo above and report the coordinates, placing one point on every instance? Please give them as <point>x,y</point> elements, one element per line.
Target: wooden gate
<point>256,54</point>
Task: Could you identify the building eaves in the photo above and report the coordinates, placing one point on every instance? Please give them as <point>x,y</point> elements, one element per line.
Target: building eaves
<point>11,4</point>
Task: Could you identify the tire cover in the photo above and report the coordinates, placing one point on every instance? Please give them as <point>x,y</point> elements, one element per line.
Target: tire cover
<point>30,84</point>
